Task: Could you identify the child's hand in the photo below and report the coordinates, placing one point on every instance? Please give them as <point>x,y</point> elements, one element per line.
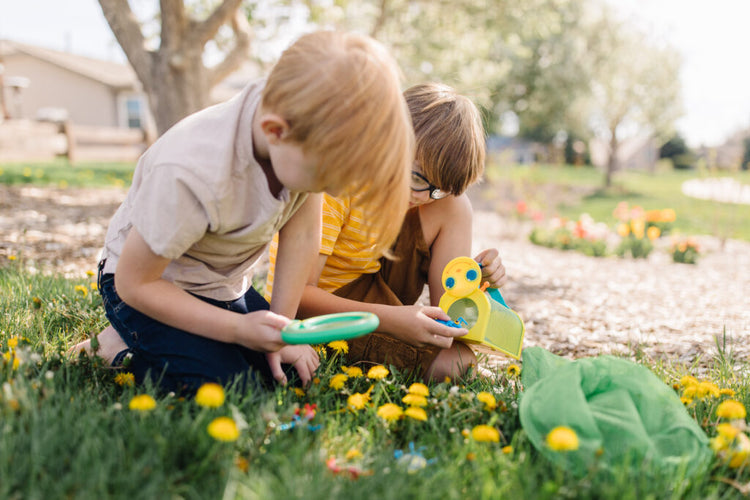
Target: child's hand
<point>492,267</point>
<point>303,357</point>
<point>261,331</point>
<point>416,326</point>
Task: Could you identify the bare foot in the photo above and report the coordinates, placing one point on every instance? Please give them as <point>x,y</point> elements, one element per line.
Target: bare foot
<point>110,344</point>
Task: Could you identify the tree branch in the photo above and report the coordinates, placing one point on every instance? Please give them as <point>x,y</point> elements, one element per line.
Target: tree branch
<point>127,31</point>
<point>380,21</point>
<point>173,24</point>
<point>238,54</point>
<point>206,30</point>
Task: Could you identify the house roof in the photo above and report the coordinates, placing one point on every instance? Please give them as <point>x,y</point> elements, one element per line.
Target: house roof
<point>116,75</point>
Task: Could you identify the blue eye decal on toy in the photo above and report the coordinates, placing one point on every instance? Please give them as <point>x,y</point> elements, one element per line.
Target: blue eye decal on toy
<point>471,274</point>
<point>450,283</point>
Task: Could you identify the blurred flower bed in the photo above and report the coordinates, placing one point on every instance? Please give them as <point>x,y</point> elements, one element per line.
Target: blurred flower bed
<point>634,233</point>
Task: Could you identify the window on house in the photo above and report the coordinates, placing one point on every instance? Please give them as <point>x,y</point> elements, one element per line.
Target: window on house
<point>134,112</point>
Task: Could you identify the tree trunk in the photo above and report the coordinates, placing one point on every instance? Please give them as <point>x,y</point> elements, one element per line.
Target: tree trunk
<point>176,90</point>
<point>174,77</point>
<point>612,162</point>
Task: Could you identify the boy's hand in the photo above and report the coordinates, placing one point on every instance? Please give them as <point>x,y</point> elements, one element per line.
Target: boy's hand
<point>303,357</point>
<point>261,331</point>
<point>416,326</point>
<point>492,267</point>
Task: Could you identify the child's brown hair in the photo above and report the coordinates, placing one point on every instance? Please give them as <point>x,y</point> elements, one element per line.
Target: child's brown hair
<point>340,94</point>
<point>449,134</point>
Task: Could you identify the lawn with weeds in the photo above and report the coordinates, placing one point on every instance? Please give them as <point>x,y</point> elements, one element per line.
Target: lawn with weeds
<point>62,173</point>
<point>72,428</point>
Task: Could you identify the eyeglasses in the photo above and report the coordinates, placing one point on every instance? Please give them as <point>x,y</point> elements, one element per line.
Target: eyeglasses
<point>419,184</point>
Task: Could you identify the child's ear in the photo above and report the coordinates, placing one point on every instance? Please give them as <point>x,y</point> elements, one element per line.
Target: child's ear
<point>274,127</point>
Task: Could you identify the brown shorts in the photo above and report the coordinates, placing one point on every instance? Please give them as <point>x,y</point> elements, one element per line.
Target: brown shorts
<point>400,281</point>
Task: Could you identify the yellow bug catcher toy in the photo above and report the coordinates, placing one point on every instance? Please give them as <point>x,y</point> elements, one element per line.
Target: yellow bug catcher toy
<point>484,313</point>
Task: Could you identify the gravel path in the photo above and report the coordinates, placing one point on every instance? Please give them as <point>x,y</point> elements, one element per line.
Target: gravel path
<point>572,305</point>
<point>581,306</point>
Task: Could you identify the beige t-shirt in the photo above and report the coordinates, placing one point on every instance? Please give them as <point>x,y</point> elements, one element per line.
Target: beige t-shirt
<point>200,198</point>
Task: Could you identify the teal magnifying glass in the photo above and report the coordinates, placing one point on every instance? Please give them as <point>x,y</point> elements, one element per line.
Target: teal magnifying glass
<point>329,327</point>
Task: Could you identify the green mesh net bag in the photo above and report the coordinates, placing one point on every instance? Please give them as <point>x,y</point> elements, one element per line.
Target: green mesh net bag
<point>621,412</point>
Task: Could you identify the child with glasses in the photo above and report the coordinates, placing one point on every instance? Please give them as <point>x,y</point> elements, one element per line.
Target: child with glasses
<point>437,227</point>
<point>208,196</point>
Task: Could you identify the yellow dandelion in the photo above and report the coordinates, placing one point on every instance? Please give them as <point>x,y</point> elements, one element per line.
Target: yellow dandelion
<point>727,431</point>
<point>13,342</point>
<point>338,381</point>
<point>82,290</point>
<point>485,434</point>
<point>354,372</point>
<point>358,400</point>
<point>731,410</point>
<point>471,456</point>
<point>125,379</point>
<point>390,412</point>
<point>686,400</point>
<point>447,380</point>
<point>419,389</point>
<point>10,357</point>
<point>562,439</point>
<point>653,233</point>
<point>316,380</point>
<point>377,372</point>
<point>210,395</point>
<point>726,392</point>
<point>90,273</point>
<point>353,453</point>
<point>142,402</point>
<point>513,370</point>
<point>12,257</point>
<point>691,391</point>
<point>490,403</point>
<point>340,346</point>
<point>507,449</point>
<point>298,391</point>
<point>465,433</point>
<point>94,287</point>
<point>416,413</point>
<point>708,389</point>
<point>223,429</point>
<point>414,400</point>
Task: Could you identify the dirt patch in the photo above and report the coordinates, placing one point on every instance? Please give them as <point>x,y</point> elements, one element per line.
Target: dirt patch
<point>55,229</point>
<point>571,304</point>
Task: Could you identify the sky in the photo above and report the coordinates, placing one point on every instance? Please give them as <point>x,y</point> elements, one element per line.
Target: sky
<point>712,37</point>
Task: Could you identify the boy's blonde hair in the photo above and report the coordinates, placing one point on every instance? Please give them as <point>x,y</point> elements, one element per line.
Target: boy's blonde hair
<point>450,136</point>
<point>340,94</point>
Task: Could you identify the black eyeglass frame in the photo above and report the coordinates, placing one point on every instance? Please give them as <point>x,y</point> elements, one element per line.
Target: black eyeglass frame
<point>435,192</point>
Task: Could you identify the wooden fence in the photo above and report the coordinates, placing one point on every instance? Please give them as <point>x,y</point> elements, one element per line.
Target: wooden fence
<point>25,140</point>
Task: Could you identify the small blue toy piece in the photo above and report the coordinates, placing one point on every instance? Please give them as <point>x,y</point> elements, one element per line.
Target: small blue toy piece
<point>458,323</point>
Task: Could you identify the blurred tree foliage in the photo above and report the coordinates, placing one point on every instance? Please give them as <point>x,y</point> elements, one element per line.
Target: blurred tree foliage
<point>564,68</point>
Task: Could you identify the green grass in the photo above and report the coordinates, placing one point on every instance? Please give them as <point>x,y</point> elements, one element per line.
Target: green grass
<point>63,174</point>
<point>571,191</point>
<point>66,430</point>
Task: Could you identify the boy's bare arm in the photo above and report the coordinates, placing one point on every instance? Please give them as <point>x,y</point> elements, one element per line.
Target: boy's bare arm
<point>299,243</point>
<point>139,283</point>
<point>453,216</point>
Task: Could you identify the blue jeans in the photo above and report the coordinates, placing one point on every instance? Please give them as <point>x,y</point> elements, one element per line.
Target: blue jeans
<point>179,361</point>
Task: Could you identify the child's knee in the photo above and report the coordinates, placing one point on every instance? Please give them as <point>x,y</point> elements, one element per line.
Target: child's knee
<point>452,362</point>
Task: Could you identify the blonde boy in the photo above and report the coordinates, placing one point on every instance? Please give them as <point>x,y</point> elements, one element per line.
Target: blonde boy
<point>351,276</point>
<point>209,195</point>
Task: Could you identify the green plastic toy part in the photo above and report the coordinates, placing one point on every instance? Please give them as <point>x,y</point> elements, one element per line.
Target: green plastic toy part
<point>329,327</point>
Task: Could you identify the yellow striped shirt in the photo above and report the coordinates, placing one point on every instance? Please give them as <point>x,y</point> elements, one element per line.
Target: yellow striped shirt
<point>344,241</point>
